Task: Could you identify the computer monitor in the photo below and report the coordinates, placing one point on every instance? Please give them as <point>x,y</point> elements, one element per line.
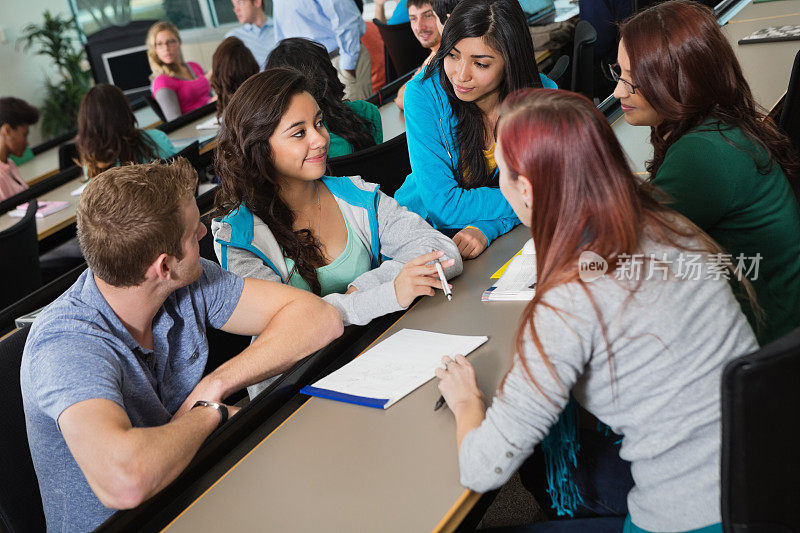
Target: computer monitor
<point>128,69</point>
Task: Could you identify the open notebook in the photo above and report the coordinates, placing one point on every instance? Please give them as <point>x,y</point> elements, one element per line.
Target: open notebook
<point>392,368</point>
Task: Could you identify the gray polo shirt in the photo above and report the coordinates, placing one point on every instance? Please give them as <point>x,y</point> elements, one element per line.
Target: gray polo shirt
<point>79,350</point>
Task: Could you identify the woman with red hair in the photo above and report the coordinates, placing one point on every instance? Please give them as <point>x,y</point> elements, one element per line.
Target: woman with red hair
<point>721,163</point>
<point>641,347</point>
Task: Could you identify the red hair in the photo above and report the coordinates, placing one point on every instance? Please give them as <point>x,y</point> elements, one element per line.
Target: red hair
<point>687,71</point>
<point>585,196</point>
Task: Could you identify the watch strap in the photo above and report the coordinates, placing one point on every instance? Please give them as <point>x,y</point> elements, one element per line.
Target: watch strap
<point>221,408</point>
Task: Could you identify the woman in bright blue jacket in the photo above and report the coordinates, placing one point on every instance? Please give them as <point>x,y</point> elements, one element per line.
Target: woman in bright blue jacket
<point>451,111</point>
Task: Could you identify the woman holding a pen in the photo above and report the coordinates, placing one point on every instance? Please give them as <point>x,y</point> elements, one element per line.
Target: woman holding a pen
<point>281,219</point>
<point>639,347</point>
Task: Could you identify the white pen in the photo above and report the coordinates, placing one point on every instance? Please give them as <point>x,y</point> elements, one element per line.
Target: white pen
<point>445,286</point>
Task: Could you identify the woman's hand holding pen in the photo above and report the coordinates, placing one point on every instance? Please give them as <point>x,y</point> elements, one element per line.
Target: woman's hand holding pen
<point>418,278</point>
<point>460,390</point>
<point>457,383</point>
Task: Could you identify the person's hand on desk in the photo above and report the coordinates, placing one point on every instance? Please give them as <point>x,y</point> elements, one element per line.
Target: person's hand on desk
<point>459,387</point>
<point>471,242</point>
<point>418,278</point>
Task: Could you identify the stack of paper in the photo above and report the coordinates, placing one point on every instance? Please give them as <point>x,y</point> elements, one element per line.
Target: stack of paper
<point>210,124</point>
<point>46,207</point>
<point>393,368</point>
<point>518,282</point>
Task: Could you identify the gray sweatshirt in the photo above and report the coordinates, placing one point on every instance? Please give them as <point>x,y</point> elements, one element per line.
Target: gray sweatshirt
<point>386,229</point>
<point>669,340</point>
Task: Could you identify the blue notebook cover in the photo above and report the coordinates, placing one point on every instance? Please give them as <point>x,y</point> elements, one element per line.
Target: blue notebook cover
<point>377,403</point>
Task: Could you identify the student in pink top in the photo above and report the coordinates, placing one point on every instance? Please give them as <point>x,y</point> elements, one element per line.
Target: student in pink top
<point>15,117</point>
<point>178,86</point>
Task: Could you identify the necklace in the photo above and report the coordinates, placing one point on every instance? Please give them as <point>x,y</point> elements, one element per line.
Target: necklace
<point>319,214</point>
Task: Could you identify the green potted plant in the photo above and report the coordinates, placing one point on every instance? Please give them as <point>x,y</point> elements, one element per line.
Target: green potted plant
<point>52,38</point>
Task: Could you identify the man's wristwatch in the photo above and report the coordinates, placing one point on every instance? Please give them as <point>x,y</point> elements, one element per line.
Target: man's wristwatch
<point>222,409</point>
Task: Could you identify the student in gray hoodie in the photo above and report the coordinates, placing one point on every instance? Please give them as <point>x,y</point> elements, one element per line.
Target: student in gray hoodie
<point>639,343</point>
<point>281,219</point>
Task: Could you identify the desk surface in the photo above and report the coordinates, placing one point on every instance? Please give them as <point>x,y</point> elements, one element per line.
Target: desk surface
<point>367,469</point>
<point>766,66</point>
<point>50,224</point>
<point>45,164</point>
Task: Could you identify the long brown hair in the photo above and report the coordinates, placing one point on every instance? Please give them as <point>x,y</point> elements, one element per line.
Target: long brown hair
<point>585,197</point>
<point>107,131</point>
<point>686,69</point>
<point>231,65</point>
<point>244,164</point>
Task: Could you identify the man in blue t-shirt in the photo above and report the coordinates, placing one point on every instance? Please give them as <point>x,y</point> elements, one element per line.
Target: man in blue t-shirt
<point>116,404</point>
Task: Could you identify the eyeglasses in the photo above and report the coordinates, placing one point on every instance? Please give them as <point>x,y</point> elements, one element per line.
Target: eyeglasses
<point>613,72</point>
<point>167,44</point>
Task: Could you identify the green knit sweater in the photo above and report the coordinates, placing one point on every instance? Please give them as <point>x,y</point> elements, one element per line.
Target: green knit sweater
<point>712,176</point>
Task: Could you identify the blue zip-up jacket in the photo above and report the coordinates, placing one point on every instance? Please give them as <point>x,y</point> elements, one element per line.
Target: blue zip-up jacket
<point>432,189</point>
<point>391,234</point>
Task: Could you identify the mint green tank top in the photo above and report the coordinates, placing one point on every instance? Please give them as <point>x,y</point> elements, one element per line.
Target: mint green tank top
<point>340,273</point>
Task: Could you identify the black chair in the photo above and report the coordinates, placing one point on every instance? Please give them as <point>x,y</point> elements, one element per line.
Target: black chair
<point>789,119</point>
<point>386,164</point>
<point>583,59</point>
<point>20,501</point>
<point>191,116</point>
<point>38,298</point>
<point>55,141</point>
<point>404,51</point>
<point>67,155</point>
<point>155,107</point>
<point>19,250</point>
<point>389,91</point>
<point>559,69</point>
<point>760,460</point>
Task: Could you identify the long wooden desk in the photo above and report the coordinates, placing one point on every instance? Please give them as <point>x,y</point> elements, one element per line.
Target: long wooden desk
<point>339,467</point>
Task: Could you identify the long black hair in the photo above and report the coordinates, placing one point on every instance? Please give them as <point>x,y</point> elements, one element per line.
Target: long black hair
<point>501,23</point>
<point>312,59</point>
<point>244,163</point>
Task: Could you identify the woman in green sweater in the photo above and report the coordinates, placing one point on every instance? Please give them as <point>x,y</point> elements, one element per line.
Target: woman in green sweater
<point>352,126</point>
<point>717,159</point>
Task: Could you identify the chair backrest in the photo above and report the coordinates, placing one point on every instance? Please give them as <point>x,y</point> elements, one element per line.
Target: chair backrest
<point>583,59</point>
<point>67,155</point>
<point>192,154</point>
<point>20,501</point>
<point>760,460</point>
<point>155,107</point>
<point>191,116</point>
<point>790,114</point>
<point>19,258</point>
<point>389,91</point>
<point>40,188</point>
<point>386,164</point>
<point>403,48</point>
<point>559,69</point>
<point>38,298</point>
<point>55,141</point>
